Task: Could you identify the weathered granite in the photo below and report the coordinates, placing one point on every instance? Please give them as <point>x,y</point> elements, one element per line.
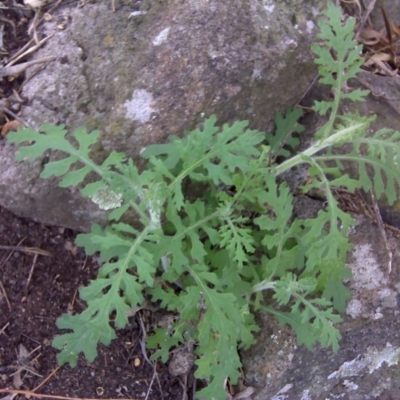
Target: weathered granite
<point>152,69</point>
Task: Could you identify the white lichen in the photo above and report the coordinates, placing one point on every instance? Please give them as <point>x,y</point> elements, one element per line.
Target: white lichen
<point>136,14</point>
<point>310,27</point>
<point>390,355</point>
<point>161,37</point>
<point>367,274</point>
<point>354,308</point>
<point>371,360</point>
<point>282,393</point>
<point>107,199</point>
<point>139,107</point>
<point>269,8</point>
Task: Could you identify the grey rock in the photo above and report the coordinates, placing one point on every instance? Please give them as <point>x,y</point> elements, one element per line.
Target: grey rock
<point>141,74</point>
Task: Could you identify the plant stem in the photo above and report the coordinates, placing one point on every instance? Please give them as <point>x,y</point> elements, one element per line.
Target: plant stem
<point>341,136</point>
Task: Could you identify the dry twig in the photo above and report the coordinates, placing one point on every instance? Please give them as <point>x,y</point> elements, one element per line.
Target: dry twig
<point>365,17</point>
<point>143,347</point>
<point>15,116</point>
<point>33,250</point>
<point>30,393</point>
<point>4,328</point>
<point>7,258</point>
<point>5,295</point>
<point>23,52</point>
<point>15,70</point>
<point>31,271</point>
<point>379,222</point>
<point>46,379</point>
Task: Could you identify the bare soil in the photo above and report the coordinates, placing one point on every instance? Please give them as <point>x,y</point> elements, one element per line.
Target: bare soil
<point>28,312</point>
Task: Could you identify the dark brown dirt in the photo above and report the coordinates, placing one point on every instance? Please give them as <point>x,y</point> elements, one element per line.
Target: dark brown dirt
<point>28,321</point>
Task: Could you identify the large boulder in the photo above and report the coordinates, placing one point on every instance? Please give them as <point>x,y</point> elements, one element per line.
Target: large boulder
<point>152,69</point>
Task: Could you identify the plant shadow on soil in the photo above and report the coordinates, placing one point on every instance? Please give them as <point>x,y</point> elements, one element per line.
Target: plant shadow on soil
<point>28,313</point>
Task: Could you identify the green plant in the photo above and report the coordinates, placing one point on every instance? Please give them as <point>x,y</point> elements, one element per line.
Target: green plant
<point>210,258</point>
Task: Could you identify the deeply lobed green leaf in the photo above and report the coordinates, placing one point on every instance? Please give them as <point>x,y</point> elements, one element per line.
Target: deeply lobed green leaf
<point>215,227</point>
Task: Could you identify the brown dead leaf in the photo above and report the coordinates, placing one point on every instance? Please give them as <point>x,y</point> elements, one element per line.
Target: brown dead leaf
<point>24,361</point>
<point>381,48</point>
<point>47,17</point>
<point>370,36</point>
<point>379,57</point>
<point>17,380</point>
<point>10,126</point>
<point>396,29</point>
<point>244,394</point>
<point>384,69</point>
<point>23,354</point>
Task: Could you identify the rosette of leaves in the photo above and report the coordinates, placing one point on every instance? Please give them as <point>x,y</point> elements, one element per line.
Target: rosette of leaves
<point>210,258</point>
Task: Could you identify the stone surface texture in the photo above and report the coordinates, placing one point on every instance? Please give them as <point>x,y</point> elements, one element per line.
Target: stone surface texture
<point>153,69</point>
